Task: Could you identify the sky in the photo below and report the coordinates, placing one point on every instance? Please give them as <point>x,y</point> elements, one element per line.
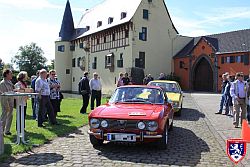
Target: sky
<point>39,21</point>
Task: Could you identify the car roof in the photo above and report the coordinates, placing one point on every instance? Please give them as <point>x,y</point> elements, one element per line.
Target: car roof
<point>164,81</point>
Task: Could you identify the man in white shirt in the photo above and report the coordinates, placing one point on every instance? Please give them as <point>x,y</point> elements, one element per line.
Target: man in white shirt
<point>42,87</point>
<point>96,91</point>
<point>239,91</point>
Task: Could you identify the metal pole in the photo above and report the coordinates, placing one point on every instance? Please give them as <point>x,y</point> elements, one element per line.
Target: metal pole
<point>18,120</point>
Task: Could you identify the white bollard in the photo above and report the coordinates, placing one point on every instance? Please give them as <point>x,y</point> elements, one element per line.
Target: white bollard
<point>1,139</point>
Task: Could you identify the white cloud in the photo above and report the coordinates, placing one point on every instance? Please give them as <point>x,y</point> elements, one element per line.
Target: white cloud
<point>203,22</point>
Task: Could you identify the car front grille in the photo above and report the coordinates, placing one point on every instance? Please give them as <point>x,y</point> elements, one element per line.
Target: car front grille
<point>122,124</point>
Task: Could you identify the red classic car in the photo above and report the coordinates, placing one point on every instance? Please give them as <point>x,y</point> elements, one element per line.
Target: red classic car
<point>133,114</point>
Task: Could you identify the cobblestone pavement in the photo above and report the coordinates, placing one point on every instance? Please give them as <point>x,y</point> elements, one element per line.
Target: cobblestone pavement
<point>193,142</point>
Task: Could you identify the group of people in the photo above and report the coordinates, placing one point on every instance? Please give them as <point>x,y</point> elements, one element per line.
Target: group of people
<point>124,79</point>
<point>235,97</point>
<point>89,88</point>
<point>47,102</point>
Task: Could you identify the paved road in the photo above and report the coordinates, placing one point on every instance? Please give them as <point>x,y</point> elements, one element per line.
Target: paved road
<point>196,140</point>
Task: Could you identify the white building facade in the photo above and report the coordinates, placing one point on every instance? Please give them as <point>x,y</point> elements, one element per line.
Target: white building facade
<point>116,36</point>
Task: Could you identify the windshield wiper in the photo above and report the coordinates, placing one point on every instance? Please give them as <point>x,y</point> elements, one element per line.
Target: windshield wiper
<point>138,100</point>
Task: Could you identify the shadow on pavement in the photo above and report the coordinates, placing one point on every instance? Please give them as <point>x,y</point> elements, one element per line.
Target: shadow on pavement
<point>189,114</point>
<point>184,148</point>
<point>40,159</point>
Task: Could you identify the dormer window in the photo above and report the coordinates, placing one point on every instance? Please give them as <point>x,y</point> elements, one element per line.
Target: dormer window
<point>87,28</point>
<point>110,20</point>
<point>99,23</point>
<point>123,15</point>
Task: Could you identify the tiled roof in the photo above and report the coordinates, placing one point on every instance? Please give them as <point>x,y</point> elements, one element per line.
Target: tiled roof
<point>105,10</point>
<point>235,41</point>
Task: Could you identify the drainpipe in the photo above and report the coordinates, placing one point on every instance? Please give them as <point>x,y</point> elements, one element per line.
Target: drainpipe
<point>216,67</point>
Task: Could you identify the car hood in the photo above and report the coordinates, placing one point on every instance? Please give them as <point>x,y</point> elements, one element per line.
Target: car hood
<point>173,96</point>
<point>128,111</point>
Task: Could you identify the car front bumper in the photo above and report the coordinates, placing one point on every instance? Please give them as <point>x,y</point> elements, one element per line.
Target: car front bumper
<point>139,137</point>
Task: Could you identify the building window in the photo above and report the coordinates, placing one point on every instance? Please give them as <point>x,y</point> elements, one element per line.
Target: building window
<point>99,23</point>
<point>97,41</point>
<point>105,39</point>
<point>110,20</point>
<point>61,48</point>
<point>113,37</point>
<point>81,45</point>
<point>74,62</point>
<point>126,33</point>
<point>67,71</point>
<point>94,64</point>
<point>246,60</point>
<point>72,47</point>
<point>181,64</point>
<point>109,60</point>
<point>140,62</point>
<point>143,34</point>
<point>232,59</point>
<point>87,28</point>
<point>145,14</point>
<point>74,79</point>
<point>149,1</point>
<point>120,62</point>
<point>228,59</point>
<point>123,15</point>
<point>78,61</point>
<point>238,59</point>
<point>222,60</point>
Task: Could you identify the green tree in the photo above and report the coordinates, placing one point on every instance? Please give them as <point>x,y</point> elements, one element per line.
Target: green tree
<point>30,58</point>
<point>51,66</point>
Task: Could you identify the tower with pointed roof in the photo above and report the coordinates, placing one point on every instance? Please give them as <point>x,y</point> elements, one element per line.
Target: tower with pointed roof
<point>63,54</point>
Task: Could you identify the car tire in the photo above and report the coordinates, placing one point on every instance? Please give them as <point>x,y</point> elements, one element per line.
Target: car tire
<point>171,126</point>
<point>162,143</point>
<point>178,113</point>
<point>94,141</point>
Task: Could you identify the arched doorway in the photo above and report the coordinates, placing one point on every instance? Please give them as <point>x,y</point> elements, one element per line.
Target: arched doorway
<point>203,76</point>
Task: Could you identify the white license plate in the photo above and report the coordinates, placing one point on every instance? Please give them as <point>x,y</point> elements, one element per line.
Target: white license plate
<point>121,137</point>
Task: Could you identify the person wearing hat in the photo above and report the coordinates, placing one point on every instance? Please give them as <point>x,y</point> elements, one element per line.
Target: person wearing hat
<point>240,92</point>
<point>84,90</point>
<point>96,91</point>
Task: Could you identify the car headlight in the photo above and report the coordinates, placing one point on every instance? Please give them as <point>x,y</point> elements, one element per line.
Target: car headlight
<point>175,104</point>
<point>94,123</point>
<point>141,125</point>
<point>152,125</point>
<point>104,124</point>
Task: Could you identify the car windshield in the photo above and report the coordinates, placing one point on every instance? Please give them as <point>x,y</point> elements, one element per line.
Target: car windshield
<point>137,95</point>
<point>167,87</point>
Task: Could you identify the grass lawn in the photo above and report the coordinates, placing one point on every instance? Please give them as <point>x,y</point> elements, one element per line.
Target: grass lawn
<point>69,118</point>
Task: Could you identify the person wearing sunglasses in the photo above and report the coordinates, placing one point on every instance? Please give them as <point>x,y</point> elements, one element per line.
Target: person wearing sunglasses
<point>239,91</point>
<point>54,84</point>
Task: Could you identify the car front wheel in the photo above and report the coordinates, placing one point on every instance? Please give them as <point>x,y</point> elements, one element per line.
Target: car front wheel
<point>94,141</point>
<point>162,143</point>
